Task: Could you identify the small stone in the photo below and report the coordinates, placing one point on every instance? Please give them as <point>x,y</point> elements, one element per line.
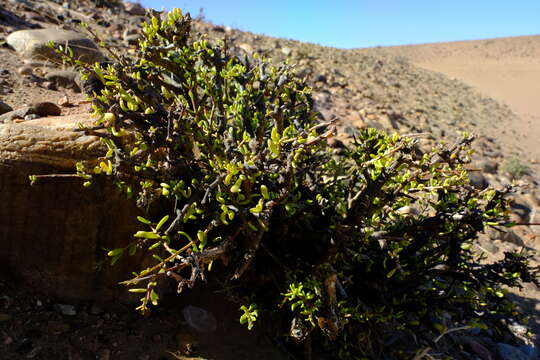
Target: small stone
<point>134,8</point>
<point>64,101</point>
<point>49,85</point>
<point>478,180</point>
<point>64,78</point>
<point>5,317</point>
<point>489,166</point>
<point>509,352</point>
<point>486,244</point>
<point>408,210</point>
<point>95,309</point>
<point>25,70</point>
<point>246,47</point>
<point>67,310</point>
<point>286,51</point>
<point>529,350</point>
<point>31,117</point>
<point>479,349</point>
<point>513,238</point>
<point>57,327</point>
<point>4,108</point>
<point>8,340</point>
<point>34,352</point>
<point>199,319</point>
<point>47,109</point>
<point>105,355</point>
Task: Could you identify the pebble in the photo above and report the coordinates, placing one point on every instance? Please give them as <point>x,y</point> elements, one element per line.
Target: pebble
<point>509,352</point>
<point>64,78</point>
<point>31,117</point>
<point>5,317</point>
<point>64,101</point>
<point>513,238</point>
<point>479,349</point>
<point>4,108</point>
<point>25,70</point>
<point>286,51</point>
<point>67,310</point>
<point>134,8</point>
<point>47,109</point>
<point>199,319</point>
<point>95,309</point>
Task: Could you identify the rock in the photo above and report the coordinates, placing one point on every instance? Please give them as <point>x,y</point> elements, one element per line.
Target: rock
<point>105,355</point>
<point>486,244</point>
<point>4,317</point>
<point>511,237</point>
<point>509,352</point>
<point>49,85</point>
<point>529,350</point>
<point>34,44</point>
<point>56,254</point>
<point>199,319</point>
<point>95,309</point>
<point>477,180</point>
<point>287,51</point>
<point>246,47</point>
<point>64,101</point>
<point>57,327</point>
<point>25,70</point>
<point>488,166</point>
<point>16,114</point>
<point>130,36</point>
<point>65,79</point>
<point>67,310</point>
<point>478,349</point>
<point>31,117</point>
<point>134,8</point>
<point>4,108</point>
<point>408,210</point>
<point>47,109</point>
<point>39,109</point>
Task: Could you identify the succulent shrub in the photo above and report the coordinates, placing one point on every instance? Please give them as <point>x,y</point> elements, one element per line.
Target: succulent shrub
<point>515,168</point>
<point>228,158</point>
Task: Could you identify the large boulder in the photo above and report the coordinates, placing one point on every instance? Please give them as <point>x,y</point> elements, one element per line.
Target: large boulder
<point>35,44</point>
<point>54,233</point>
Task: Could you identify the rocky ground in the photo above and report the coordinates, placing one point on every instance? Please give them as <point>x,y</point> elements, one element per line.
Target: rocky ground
<point>382,88</point>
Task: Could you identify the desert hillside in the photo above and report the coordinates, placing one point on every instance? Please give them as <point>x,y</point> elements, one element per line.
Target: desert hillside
<point>507,69</point>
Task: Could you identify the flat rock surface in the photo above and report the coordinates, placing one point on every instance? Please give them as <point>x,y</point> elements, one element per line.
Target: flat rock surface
<point>35,44</point>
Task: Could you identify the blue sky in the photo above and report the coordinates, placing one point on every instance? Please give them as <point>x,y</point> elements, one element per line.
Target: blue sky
<point>366,23</point>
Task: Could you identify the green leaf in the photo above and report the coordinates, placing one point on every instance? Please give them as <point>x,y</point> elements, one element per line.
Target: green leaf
<point>116,252</point>
<point>154,297</point>
<point>161,222</point>
<point>146,235</point>
<point>143,220</point>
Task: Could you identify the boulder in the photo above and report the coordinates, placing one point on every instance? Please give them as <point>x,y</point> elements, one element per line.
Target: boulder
<point>133,8</point>
<point>38,109</point>
<point>34,44</point>
<point>4,108</point>
<point>65,78</point>
<point>55,233</point>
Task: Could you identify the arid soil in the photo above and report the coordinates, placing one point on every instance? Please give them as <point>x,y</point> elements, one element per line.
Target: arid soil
<point>487,87</point>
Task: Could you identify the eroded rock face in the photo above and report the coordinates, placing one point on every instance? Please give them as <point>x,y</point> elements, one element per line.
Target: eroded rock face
<point>53,234</point>
<point>34,44</point>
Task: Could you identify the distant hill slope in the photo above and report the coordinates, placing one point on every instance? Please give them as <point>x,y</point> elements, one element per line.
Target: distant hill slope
<point>507,69</point>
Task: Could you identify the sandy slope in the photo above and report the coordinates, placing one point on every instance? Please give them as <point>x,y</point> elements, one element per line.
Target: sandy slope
<point>507,69</point>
